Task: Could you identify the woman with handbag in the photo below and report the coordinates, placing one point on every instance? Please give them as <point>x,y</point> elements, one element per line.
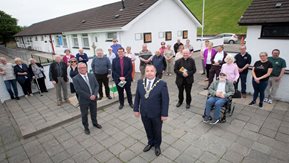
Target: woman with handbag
<point>37,72</point>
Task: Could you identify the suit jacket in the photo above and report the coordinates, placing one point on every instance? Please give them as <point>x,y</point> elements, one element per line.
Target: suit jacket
<point>82,88</point>
<point>21,78</point>
<point>127,69</point>
<point>53,71</point>
<point>157,104</point>
<point>190,66</point>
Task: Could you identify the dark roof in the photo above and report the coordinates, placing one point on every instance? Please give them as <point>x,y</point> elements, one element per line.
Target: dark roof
<point>95,18</point>
<point>265,12</point>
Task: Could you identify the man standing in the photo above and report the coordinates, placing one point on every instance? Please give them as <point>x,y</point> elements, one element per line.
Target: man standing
<point>58,77</point>
<point>81,56</point>
<point>185,69</point>
<point>7,71</point>
<point>279,66</point>
<point>177,45</point>
<point>160,64</point>
<point>243,61</point>
<point>152,103</point>
<point>86,87</point>
<point>145,57</point>
<point>121,74</point>
<point>115,46</point>
<point>101,68</point>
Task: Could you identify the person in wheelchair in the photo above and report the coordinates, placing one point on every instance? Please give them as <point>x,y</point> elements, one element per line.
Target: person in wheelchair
<point>219,93</point>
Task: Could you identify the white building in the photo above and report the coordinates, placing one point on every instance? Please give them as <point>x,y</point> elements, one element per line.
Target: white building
<point>135,23</point>
<point>267,29</point>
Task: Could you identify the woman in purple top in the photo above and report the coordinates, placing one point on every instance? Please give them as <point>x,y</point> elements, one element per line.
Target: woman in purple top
<point>209,53</point>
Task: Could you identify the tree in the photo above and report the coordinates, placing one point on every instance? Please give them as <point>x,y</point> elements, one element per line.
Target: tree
<point>8,27</point>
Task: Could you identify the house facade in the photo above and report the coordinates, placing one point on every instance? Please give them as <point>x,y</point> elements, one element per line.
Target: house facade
<point>135,23</point>
<point>267,29</point>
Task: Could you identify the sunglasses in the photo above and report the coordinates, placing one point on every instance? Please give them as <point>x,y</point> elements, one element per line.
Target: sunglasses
<point>72,61</point>
<point>223,75</point>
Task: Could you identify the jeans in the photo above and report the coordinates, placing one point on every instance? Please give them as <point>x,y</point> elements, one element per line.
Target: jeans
<point>218,103</point>
<point>8,84</point>
<point>243,78</point>
<point>259,89</point>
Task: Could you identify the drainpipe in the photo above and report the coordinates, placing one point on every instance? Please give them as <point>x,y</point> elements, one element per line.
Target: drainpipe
<point>23,42</point>
<point>52,46</point>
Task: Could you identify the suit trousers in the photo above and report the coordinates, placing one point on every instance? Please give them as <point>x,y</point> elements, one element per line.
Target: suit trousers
<point>120,91</point>
<point>153,128</point>
<point>84,113</point>
<point>102,79</point>
<point>187,88</point>
<point>61,84</point>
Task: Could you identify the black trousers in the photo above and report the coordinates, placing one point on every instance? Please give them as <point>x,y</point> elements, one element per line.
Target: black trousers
<point>215,70</point>
<point>41,83</point>
<point>102,79</point>
<point>243,78</point>
<point>120,91</point>
<point>187,88</point>
<point>26,87</point>
<point>84,113</point>
<point>153,128</point>
<point>208,67</point>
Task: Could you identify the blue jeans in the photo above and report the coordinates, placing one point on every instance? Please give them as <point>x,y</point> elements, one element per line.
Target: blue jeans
<point>8,84</point>
<point>243,78</point>
<point>218,103</point>
<point>259,89</point>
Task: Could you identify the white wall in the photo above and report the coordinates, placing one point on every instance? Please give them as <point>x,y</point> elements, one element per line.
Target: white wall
<point>255,45</point>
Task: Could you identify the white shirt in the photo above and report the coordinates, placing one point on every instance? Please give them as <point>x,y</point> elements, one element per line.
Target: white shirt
<point>219,56</point>
<point>151,83</point>
<point>111,57</point>
<point>221,87</point>
<point>209,56</point>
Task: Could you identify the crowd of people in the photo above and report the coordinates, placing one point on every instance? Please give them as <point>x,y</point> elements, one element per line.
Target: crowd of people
<point>152,96</point>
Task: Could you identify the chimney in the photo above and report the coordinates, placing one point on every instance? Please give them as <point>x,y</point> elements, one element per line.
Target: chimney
<point>122,2</point>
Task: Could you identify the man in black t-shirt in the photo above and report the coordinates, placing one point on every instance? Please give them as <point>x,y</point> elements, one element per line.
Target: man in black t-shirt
<point>243,61</point>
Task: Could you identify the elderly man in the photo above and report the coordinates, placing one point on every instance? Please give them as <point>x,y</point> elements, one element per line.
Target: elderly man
<point>160,63</point>
<point>145,57</point>
<point>58,77</point>
<point>7,72</point>
<point>279,66</point>
<point>101,68</point>
<point>185,69</point>
<point>81,56</point>
<point>219,91</point>
<point>152,104</point>
<point>87,88</point>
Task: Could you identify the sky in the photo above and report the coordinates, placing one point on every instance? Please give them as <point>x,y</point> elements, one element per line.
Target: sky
<point>28,12</point>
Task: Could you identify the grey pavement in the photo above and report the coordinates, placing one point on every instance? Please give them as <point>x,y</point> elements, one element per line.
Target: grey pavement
<point>250,135</point>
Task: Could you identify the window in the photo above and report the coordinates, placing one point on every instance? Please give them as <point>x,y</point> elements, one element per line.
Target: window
<point>36,39</point>
<point>168,36</point>
<point>58,40</point>
<point>275,31</point>
<point>42,38</point>
<point>85,41</point>
<point>111,36</point>
<point>138,36</point>
<point>75,41</point>
<point>30,40</point>
<point>95,39</point>
<point>64,40</point>
<point>147,37</point>
<point>185,34</point>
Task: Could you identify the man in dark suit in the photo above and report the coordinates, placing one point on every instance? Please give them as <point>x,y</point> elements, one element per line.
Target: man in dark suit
<point>185,69</point>
<point>152,103</point>
<point>86,87</point>
<point>121,74</point>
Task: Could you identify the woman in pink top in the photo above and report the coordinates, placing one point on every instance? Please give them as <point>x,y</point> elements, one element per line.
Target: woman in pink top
<point>230,69</point>
<point>163,48</point>
<point>67,56</point>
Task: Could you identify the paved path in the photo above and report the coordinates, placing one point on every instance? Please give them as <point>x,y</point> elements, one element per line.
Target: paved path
<point>250,135</point>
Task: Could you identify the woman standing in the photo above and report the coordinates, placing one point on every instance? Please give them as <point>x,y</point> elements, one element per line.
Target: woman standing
<point>260,73</point>
<point>37,72</point>
<point>169,56</point>
<point>72,71</point>
<point>131,55</point>
<point>23,77</point>
<point>209,53</point>
<point>231,69</point>
<point>67,56</point>
<point>179,54</point>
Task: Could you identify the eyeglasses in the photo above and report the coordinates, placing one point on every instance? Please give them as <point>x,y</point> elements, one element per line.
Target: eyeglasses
<point>72,61</point>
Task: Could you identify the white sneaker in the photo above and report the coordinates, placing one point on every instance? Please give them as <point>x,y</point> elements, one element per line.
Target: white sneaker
<point>26,96</point>
<point>265,100</point>
<point>270,101</point>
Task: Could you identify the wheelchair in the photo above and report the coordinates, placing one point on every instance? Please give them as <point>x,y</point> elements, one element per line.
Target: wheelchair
<point>227,110</point>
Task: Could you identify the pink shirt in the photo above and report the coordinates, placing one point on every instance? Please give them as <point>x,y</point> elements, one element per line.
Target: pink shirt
<point>231,70</point>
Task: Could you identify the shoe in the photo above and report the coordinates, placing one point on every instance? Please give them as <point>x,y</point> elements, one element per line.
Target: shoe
<point>67,101</point>
<point>86,131</point>
<point>26,96</point>
<point>120,107</point>
<point>188,106</point>
<point>109,97</point>
<point>215,122</point>
<point>157,151</point>
<point>30,94</point>
<point>97,126</point>
<point>252,103</point>
<point>178,104</point>
<point>206,88</point>
<point>206,80</point>
<point>261,104</point>
<point>99,98</point>
<point>12,97</point>
<point>270,101</point>
<point>244,95</point>
<point>131,105</point>
<point>206,120</point>
<point>147,148</point>
<point>58,103</point>
<point>265,100</point>
<point>17,98</point>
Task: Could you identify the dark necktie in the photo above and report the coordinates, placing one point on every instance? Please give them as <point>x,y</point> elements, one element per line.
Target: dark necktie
<point>87,82</point>
<point>149,85</point>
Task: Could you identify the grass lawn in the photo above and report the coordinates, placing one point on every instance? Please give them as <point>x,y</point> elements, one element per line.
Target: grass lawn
<point>221,16</point>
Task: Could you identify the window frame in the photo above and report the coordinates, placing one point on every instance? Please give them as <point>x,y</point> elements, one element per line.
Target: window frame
<point>185,34</point>
<point>168,35</point>
<point>75,36</point>
<point>285,25</point>
<point>85,36</point>
<point>109,39</point>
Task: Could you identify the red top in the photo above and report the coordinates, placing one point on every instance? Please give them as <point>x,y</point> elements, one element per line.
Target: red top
<point>67,58</point>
